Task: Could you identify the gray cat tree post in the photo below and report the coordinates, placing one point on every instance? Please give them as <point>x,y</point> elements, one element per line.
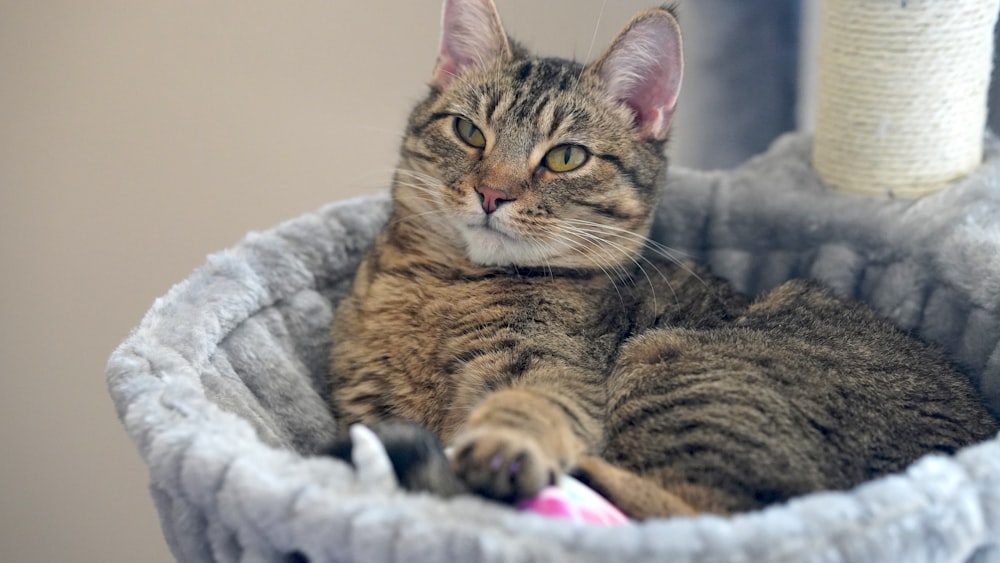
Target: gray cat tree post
<point>223,385</point>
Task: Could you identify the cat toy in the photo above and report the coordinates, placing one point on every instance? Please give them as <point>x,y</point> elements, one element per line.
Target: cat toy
<point>567,499</point>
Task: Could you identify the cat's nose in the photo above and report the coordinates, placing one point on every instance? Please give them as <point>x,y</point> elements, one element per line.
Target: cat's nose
<point>491,198</point>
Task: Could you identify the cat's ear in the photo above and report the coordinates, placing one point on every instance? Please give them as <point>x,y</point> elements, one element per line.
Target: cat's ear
<point>643,68</point>
<point>471,33</point>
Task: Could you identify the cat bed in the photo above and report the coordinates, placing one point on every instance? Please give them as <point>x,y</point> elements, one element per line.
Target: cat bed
<point>223,386</point>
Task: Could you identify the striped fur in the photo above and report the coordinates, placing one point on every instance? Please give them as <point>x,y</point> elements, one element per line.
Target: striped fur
<point>551,335</point>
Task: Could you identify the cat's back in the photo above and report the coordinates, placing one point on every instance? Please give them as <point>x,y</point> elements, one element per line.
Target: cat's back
<point>884,381</point>
<point>802,391</point>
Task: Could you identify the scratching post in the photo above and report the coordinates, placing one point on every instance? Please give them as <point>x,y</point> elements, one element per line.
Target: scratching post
<point>901,100</point>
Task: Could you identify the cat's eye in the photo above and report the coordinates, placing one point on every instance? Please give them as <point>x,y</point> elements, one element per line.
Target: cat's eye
<point>468,132</point>
<point>565,158</point>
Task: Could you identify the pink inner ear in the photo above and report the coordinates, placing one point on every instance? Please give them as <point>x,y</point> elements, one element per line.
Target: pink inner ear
<point>653,103</point>
<point>445,71</point>
<point>471,33</point>
<point>644,69</point>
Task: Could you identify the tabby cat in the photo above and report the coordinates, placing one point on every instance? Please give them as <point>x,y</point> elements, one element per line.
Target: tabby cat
<point>514,307</point>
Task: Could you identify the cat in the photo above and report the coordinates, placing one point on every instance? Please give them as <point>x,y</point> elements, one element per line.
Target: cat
<point>514,307</point>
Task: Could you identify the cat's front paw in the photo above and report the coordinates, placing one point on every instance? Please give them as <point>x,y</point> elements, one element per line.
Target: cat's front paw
<point>503,464</point>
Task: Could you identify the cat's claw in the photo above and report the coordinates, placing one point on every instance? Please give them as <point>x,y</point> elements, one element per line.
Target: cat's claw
<point>502,464</point>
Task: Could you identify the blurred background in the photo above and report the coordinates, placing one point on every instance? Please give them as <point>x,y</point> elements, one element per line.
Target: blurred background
<point>138,137</point>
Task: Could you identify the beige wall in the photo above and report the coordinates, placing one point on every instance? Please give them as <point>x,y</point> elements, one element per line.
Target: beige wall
<point>135,138</point>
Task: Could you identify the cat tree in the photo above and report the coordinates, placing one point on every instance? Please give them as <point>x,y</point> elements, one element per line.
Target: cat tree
<point>223,385</point>
<point>902,94</point>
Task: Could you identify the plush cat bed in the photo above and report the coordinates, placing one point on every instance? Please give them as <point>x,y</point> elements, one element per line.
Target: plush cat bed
<point>223,386</point>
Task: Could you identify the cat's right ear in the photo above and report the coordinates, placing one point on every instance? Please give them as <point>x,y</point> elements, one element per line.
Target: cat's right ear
<point>643,68</point>
<point>471,33</point>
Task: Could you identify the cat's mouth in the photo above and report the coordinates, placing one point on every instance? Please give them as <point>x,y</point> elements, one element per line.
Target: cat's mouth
<point>489,228</point>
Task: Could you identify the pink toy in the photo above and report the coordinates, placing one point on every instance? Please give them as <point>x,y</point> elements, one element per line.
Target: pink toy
<point>575,501</point>
<point>569,499</point>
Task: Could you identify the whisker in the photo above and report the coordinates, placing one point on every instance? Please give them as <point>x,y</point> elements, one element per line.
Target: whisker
<point>425,198</point>
<point>419,187</point>
<point>539,249</point>
<point>654,246</point>
<point>626,252</point>
<point>574,245</point>
<point>668,252</point>
<point>593,243</point>
<point>629,235</point>
<point>413,216</point>
<point>418,175</point>
<point>593,39</point>
<point>597,27</point>
<point>608,258</point>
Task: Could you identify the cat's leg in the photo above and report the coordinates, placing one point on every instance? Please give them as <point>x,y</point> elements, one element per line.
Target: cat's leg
<point>643,497</point>
<point>517,440</point>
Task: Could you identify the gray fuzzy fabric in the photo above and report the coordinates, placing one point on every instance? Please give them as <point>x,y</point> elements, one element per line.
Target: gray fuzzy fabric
<point>222,387</point>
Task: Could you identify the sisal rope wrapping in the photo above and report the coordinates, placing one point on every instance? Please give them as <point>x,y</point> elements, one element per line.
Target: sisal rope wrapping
<point>901,99</point>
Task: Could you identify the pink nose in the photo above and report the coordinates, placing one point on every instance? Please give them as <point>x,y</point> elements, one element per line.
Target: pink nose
<point>492,198</point>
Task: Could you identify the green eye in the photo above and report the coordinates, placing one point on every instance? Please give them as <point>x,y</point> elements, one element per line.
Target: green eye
<point>468,132</point>
<point>565,158</point>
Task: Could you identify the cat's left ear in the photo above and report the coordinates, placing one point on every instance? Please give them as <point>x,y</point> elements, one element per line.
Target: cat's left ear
<point>471,33</point>
<point>643,68</point>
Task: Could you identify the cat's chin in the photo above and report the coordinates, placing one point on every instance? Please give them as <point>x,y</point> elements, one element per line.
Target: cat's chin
<point>487,246</point>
